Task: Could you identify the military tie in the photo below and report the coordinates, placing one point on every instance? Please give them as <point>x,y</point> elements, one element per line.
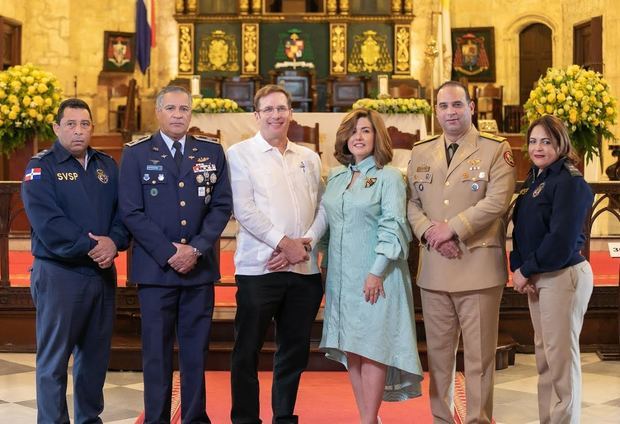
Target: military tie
<point>178,155</point>
<point>451,150</point>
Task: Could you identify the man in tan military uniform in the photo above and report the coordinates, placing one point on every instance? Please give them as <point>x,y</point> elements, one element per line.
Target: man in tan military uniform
<point>456,210</point>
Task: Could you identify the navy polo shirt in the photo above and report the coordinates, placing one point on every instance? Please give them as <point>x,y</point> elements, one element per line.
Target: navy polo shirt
<point>64,202</point>
<point>548,218</point>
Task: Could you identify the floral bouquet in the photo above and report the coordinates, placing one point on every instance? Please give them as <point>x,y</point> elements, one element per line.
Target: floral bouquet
<point>215,105</point>
<point>29,100</point>
<point>581,99</point>
<point>394,105</point>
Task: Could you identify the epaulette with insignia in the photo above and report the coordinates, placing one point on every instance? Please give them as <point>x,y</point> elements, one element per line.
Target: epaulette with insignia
<point>572,169</point>
<point>492,137</point>
<point>200,137</point>
<point>138,141</point>
<point>426,140</point>
<point>42,153</point>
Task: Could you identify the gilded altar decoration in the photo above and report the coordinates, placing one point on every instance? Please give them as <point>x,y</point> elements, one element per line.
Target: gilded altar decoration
<point>402,41</point>
<point>256,7</point>
<point>396,7</point>
<point>408,7</point>
<point>179,6</point>
<point>332,6</point>
<point>218,52</point>
<point>338,48</point>
<point>344,7</point>
<point>244,7</point>
<point>294,50</point>
<point>370,53</point>
<point>186,43</point>
<point>192,6</point>
<point>470,56</point>
<point>249,34</point>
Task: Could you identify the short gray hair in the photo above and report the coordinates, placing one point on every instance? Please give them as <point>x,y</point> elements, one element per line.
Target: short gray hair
<point>159,101</point>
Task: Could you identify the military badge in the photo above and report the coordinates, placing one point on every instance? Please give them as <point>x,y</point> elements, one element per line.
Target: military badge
<point>202,159</point>
<point>538,190</point>
<point>101,176</point>
<point>475,187</point>
<point>207,199</point>
<point>200,178</point>
<point>509,159</point>
<point>420,187</point>
<point>201,191</point>
<point>160,177</point>
<point>423,168</point>
<point>154,192</point>
<point>146,177</point>
<point>213,178</point>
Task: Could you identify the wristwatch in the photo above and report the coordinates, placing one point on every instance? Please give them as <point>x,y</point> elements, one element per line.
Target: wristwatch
<point>196,252</point>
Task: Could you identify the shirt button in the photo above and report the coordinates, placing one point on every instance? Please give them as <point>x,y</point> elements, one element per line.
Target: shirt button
<point>181,184</point>
<point>445,220</point>
<point>182,203</point>
<point>183,222</point>
<point>447,183</point>
<point>446,202</point>
<point>183,240</point>
<point>484,243</point>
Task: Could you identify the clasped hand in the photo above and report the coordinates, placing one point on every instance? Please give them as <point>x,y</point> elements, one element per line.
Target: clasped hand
<point>442,238</point>
<point>184,260</point>
<point>104,252</point>
<point>289,252</point>
<point>522,284</point>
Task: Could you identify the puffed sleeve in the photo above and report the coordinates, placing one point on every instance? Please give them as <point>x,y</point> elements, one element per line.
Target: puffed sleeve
<point>393,233</point>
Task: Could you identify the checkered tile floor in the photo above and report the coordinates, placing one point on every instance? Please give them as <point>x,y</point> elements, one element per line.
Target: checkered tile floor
<point>515,392</point>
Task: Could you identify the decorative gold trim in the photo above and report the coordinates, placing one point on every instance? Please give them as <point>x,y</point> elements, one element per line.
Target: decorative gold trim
<point>396,7</point>
<point>179,6</point>
<point>249,52</point>
<point>244,7</point>
<point>257,7</point>
<point>332,6</point>
<point>338,49</point>
<point>370,53</point>
<point>402,49</point>
<point>186,49</point>
<point>408,7</point>
<point>218,51</point>
<point>192,6</point>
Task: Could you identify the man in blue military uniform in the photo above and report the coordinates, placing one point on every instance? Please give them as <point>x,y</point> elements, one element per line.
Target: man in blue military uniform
<point>70,197</point>
<point>175,200</point>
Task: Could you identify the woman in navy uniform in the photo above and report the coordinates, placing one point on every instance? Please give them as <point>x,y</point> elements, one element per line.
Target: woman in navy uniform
<point>175,199</point>
<point>70,197</point>
<point>547,264</point>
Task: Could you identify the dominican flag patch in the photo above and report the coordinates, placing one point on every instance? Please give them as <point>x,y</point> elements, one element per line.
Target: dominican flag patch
<point>33,174</point>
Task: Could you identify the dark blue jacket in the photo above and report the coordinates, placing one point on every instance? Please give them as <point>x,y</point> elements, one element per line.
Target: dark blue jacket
<point>64,202</point>
<point>161,204</point>
<point>548,220</point>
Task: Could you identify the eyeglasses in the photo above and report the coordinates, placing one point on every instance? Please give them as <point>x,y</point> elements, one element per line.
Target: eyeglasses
<point>281,110</point>
<point>73,124</point>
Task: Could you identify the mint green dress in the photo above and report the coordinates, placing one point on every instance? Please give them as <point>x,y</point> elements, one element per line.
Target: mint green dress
<point>369,232</point>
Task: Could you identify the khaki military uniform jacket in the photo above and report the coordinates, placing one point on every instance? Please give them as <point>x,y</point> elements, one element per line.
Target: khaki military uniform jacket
<point>471,195</point>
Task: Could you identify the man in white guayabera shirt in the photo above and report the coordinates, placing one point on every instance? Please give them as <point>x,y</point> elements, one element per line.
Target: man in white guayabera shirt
<point>276,194</point>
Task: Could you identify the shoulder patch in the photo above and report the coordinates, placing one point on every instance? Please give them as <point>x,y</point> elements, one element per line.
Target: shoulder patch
<point>42,153</point>
<point>206,138</point>
<point>426,140</point>
<point>138,141</point>
<point>492,137</point>
<point>572,169</point>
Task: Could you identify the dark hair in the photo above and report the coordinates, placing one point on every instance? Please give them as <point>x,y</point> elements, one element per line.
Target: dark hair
<point>455,84</point>
<point>159,100</point>
<point>72,104</point>
<point>558,133</point>
<point>382,150</point>
<point>267,90</point>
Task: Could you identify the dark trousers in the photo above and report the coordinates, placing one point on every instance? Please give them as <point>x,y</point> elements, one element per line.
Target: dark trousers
<point>186,312</point>
<point>292,301</point>
<point>75,314</point>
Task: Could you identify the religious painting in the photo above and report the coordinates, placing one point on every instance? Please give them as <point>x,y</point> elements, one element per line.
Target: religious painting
<point>119,51</point>
<point>473,54</point>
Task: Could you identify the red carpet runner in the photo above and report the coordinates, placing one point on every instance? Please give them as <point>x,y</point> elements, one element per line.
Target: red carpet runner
<point>324,398</point>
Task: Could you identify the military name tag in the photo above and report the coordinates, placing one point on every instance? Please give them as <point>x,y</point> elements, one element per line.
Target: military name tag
<point>423,177</point>
<point>423,168</point>
<point>154,168</point>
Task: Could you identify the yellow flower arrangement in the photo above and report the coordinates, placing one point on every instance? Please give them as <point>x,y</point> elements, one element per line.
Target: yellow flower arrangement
<point>394,105</point>
<point>29,100</point>
<point>579,97</point>
<point>215,105</point>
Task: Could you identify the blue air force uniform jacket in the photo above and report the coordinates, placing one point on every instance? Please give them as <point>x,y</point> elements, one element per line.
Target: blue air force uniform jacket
<point>64,202</point>
<point>161,204</point>
<point>548,220</point>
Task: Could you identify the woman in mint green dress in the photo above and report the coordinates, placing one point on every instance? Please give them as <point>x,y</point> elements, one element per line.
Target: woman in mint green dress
<point>369,323</point>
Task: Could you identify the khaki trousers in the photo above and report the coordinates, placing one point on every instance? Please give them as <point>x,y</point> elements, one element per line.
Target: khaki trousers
<point>475,314</point>
<point>557,315</point>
